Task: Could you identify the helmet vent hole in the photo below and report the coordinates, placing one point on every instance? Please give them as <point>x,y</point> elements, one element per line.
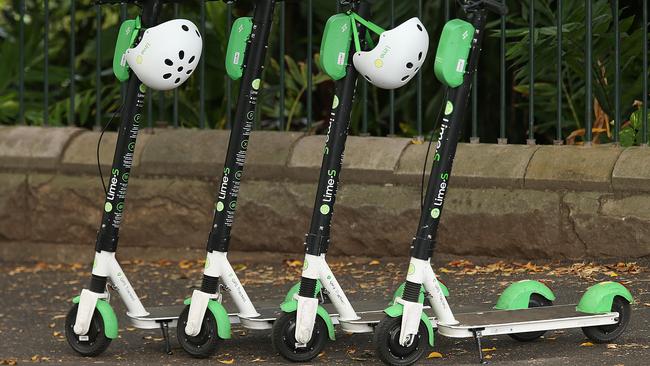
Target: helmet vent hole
<point>420,56</point>
<point>168,62</point>
<point>188,71</point>
<point>167,76</point>
<point>197,33</point>
<point>181,54</point>
<point>177,80</point>
<point>185,28</point>
<point>409,65</point>
<point>367,78</point>
<point>180,69</point>
<point>419,27</point>
<point>417,69</point>
<point>191,59</point>
<point>405,77</point>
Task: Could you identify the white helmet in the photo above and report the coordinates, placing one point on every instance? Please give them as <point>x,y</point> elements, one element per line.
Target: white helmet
<point>167,54</point>
<point>397,57</point>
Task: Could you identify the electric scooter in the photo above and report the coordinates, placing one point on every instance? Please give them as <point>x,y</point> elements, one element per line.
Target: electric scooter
<point>203,321</point>
<point>525,310</point>
<point>317,303</point>
<point>91,323</point>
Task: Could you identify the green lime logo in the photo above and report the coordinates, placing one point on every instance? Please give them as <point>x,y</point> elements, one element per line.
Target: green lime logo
<point>232,205</point>
<point>305,266</point>
<point>125,177</point>
<point>244,144</point>
<point>120,207</point>
<point>94,264</point>
<point>435,213</point>
<point>143,88</point>
<point>119,274</point>
<point>449,108</point>
<point>219,206</point>
<point>329,277</point>
<point>108,207</point>
<point>131,146</point>
<point>335,102</point>
<point>411,269</point>
<point>256,84</point>
<point>238,175</point>
<point>207,262</point>
<point>324,209</point>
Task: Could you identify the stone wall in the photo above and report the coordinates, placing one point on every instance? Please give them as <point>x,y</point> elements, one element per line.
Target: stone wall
<point>504,200</point>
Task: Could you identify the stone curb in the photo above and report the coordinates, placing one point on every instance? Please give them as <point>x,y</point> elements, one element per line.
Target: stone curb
<point>34,147</point>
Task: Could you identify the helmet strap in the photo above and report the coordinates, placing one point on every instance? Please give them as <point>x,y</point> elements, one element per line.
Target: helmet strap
<point>354,17</point>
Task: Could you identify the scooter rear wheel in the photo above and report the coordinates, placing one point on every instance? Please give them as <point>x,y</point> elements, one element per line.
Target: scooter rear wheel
<point>284,341</point>
<point>535,301</point>
<point>608,333</point>
<point>390,351</point>
<point>92,343</point>
<point>204,344</point>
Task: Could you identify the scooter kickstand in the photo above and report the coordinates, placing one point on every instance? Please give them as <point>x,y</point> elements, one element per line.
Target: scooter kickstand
<point>164,327</point>
<point>477,336</point>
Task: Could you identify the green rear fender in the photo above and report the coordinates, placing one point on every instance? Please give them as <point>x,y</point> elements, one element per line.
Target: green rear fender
<point>396,310</point>
<point>108,317</point>
<point>292,305</point>
<point>220,315</point>
<point>517,295</point>
<point>598,298</point>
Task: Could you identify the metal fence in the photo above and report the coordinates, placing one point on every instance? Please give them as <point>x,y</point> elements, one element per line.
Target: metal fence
<point>417,124</point>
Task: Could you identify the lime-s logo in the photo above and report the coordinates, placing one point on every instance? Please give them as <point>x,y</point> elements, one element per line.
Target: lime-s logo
<point>444,176</point>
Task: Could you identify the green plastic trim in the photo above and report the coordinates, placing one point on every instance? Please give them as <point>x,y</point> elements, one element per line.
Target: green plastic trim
<point>598,298</point>
<point>354,17</point>
<point>220,315</point>
<point>125,39</point>
<point>397,310</point>
<point>335,46</point>
<point>108,317</point>
<point>453,51</point>
<point>400,291</point>
<point>291,306</point>
<point>296,288</point>
<point>517,295</point>
<point>239,35</point>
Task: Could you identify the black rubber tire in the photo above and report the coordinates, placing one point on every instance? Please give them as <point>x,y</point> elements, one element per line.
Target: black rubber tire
<point>536,300</point>
<point>608,333</point>
<point>97,341</point>
<point>204,344</point>
<point>387,344</point>
<point>283,339</point>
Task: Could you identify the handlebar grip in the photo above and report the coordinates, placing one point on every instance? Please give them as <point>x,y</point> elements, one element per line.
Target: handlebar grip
<point>495,6</point>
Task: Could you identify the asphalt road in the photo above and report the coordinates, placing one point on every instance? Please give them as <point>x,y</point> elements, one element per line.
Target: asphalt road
<point>36,297</point>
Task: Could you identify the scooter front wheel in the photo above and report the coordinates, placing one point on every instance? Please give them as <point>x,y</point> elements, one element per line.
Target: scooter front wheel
<point>204,344</point>
<point>92,343</point>
<point>284,341</point>
<point>390,351</point>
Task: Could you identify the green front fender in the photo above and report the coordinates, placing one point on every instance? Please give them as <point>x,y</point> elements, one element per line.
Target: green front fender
<point>296,288</point>
<point>598,298</point>
<point>517,295</point>
<point>292,305</point>
<point>397,310</point>
<point>108,317</point>
<point>220,315</point>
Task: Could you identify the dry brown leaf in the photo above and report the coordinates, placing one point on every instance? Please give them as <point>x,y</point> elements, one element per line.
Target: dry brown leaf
<point>586,344</point>
<point>374,262</point>
<point>487,357</point>
<point>9,361</point>
<point>258,359</point>
<point>293,263</point>
<point>227,362</point>
<point>435,355</point>
<point>612,346</point>
<point>489,349</point>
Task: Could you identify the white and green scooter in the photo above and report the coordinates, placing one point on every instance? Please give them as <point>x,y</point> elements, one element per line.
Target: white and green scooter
<point>525,310</point>
<point>173,50</point>
<point>312,308</point>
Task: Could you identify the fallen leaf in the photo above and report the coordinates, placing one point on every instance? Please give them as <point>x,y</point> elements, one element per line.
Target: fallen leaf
<point>489,349</point>
<point>258,359</point>
<point>586,344</point>
<point>435,355</point>
<point>227,362</point>
<point>487,357</point>
<point>612,346</point>
<point>293,263</point>
<point>374,262</point>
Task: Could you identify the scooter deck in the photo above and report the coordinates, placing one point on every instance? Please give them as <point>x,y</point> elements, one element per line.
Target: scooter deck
<point>496,322</point>
<point>162,313</point>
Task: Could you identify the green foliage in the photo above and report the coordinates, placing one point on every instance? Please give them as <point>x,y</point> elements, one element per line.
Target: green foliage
<point>632,131</point>
<point>573,60</point>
